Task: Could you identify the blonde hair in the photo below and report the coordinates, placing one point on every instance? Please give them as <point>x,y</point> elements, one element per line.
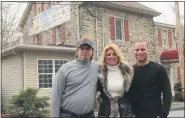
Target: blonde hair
<point>116,50</point>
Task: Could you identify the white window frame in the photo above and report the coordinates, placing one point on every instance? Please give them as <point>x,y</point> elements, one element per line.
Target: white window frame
<point>165,43</point>
<point>53,68</point>
<point>58,34</point>
<point>120,19</point>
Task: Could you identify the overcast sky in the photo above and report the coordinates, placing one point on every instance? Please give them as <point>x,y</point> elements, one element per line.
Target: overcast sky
<point>166,8</point>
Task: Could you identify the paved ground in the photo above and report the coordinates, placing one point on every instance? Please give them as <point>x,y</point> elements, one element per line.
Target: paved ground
<point>176,114</point>
<point>176,111</point>
<point>177,106</point>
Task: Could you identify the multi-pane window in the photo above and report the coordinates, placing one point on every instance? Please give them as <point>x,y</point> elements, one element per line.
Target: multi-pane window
<point>119,29</point>
<point>59,34</point>
<point>164,37</point>
<point>46,69</point>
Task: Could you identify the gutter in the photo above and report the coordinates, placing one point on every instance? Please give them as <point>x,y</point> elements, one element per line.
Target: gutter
<point>158,24</point>
<point>36,48</point>
<point>133,10</point>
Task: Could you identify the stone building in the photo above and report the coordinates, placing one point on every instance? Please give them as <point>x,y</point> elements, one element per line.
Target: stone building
<point>122,23</point>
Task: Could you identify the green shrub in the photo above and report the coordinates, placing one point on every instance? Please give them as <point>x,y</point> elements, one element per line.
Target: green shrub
<point>27,104</point>
<point>177,87</point>
<point>178,96</point>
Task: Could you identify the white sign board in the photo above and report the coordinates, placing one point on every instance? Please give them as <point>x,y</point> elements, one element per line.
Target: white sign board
<point>50,18</point>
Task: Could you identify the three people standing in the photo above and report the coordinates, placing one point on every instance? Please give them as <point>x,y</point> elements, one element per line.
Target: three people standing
<point>75,85</point>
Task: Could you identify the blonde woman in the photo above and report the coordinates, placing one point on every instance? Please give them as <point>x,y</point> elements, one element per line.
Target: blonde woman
<point>115,77</point>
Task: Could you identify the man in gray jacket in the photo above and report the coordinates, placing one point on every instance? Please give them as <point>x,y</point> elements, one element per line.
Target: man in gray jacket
<point>75,84</point>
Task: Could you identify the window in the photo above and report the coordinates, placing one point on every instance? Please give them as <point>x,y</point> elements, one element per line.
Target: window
<point>119,28</point>
<point>46,69</point>
<point>59,34</point>
<point>36,39</point>
<point>164,37</point>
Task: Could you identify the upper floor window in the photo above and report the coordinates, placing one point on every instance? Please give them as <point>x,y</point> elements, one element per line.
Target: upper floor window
<point>119,29</point>
<point>59,34</point>
<point>164,37</point>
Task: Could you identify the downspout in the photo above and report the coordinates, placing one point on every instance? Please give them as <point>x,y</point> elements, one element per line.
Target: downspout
<point>103,37</point>
<point>78,23</point>
<point>96,37</point>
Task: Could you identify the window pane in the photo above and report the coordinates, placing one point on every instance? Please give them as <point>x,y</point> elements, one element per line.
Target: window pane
<point>50,76</point>
<point>56,62</point>
<point>41,86</point>
<point>50,66</point>
<point>50,80</point>
<point>56,66</point>
<point>44,76</point>
<point>40,81</point>
<point>40,66</point>
<point>40,71</point>
<point>45,70</point>
<point>119,29</point>
<point>45,81</point>
<point>45,66</point>
<point>50,62</point>
<point>40,61</point>
<point>50,71</point>
<point>118,24</point>
<point>46,86</point>
<point>44,61</point>
<point>118,35</point>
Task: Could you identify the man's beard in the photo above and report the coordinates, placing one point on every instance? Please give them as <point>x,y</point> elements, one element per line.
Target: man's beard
<point>85,57</point>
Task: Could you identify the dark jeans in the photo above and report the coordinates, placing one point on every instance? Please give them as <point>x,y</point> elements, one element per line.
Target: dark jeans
<point>68,114</point>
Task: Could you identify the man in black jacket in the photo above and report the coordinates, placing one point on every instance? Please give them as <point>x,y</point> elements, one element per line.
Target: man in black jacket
<point>149,81</point>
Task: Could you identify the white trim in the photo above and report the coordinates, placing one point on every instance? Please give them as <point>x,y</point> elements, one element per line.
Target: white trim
<point>37,74</point>
<point>21,47</point>
<point>24,70</point>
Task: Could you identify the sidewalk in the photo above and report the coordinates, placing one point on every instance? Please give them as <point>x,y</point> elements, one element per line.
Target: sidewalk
<point>176,114</point>
<point>177,106</point>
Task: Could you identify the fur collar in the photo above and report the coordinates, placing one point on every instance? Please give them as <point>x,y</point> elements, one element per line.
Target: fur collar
<point>102,76</point>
